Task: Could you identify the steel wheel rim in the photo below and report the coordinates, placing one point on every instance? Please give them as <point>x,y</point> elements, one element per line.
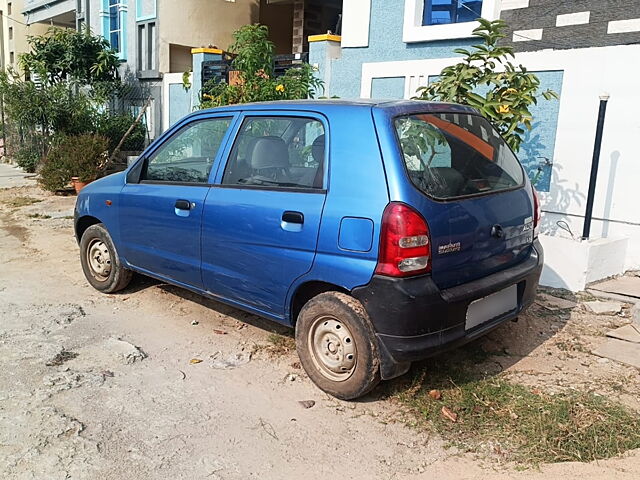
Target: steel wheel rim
<point>99,260</point>
<point>332,348</point>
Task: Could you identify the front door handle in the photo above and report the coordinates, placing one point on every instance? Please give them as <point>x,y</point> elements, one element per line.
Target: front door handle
<point>293,217</point>
<point>183,204</point>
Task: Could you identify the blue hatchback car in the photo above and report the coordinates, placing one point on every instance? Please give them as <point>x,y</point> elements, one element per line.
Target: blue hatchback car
<point>384,232</point>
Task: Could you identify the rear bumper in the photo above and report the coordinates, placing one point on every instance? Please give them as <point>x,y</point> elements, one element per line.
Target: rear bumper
<point>414,319</point>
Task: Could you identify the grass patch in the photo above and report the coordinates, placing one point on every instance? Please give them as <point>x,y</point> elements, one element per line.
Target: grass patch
<point>38,215</point>
<point>524,425</point>
<point>17,202</point>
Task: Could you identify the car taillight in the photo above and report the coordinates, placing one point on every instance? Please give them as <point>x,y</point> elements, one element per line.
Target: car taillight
<point>404,242</point>
<point>537,212</point>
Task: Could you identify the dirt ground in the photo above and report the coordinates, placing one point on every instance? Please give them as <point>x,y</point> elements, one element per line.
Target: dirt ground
<point>102,386</point>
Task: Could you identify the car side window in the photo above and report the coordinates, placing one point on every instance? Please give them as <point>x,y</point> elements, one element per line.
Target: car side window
<point>285,152</point>
<point>189,154</point>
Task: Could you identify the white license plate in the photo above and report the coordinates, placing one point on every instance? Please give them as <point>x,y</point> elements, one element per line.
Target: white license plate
<point>494,305</point>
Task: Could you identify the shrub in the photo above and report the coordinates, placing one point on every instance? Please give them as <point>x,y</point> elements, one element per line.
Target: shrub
<point>115,126</point>
<point>28,157</point>
<point>83,156</point>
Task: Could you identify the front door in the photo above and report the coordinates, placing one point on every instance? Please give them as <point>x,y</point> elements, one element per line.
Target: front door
<point>261,219</point>
<point>161,211</point>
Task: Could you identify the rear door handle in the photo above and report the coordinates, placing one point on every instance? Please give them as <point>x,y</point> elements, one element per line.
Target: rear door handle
<point>183,204</point>
<point>293,217</point>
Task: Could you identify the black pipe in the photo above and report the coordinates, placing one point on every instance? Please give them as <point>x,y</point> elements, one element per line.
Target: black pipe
<point>594,168</point>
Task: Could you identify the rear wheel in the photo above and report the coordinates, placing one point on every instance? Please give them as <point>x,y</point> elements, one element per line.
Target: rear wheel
<point>336,344</point>
<point>100,262</point>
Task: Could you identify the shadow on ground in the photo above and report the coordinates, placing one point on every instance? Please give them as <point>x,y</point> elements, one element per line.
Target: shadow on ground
<point>485,357</point>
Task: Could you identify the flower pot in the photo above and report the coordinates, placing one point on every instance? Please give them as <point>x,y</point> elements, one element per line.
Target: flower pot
<point>77,184</point>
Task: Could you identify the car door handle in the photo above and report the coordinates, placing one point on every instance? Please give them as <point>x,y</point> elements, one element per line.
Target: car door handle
<point>183,204</point>
<point>293,217</point>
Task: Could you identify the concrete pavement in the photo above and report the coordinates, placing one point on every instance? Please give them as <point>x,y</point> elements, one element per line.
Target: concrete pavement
<point>11,176</point>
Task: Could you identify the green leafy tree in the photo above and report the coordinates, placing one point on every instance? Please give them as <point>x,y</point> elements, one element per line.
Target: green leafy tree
<point>487,80</point>
<point>254,62</point>
<point>64,55</point>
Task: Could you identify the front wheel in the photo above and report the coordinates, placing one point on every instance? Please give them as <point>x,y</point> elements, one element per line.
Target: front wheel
<point>100,262</point>
<point>336,345</point>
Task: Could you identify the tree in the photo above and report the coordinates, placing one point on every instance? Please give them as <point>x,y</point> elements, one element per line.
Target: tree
<point>254,62</point>
<point>487,80</point>
<point>68,56</point>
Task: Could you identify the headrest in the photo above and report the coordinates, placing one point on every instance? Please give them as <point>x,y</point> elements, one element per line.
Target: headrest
<point>317,149</point>
<point>269,152</point>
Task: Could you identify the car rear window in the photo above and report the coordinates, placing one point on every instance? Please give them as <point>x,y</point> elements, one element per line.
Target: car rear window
<point>450,155</point>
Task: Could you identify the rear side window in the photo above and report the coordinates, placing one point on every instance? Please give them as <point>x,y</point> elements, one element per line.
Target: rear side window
<point>454,155</point>
<point>282,152</point>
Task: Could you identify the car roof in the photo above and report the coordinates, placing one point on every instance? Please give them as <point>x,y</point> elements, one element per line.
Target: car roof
<point>321,105</point>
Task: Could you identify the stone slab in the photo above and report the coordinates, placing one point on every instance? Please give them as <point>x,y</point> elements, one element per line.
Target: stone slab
<point>620,351</point>
<point>554,303</point>
<point>629,286</point>
<point>628,333</point>
<point>604,308</point>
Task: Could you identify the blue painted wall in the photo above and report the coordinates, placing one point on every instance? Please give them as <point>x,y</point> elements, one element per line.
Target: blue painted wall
<point>536,152</point>
<point>391,87</point>
<point>385,44</point>
<point>179,102</point>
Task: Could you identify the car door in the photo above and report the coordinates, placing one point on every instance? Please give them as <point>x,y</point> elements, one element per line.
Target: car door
<point>163,199</point>
<point>261,219</point>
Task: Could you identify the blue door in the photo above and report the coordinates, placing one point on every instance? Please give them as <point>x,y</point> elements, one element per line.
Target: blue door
<point>161,211</point>
<point>261,219</point>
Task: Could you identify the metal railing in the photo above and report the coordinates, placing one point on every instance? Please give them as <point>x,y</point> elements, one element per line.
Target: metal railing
<point>219,69</point>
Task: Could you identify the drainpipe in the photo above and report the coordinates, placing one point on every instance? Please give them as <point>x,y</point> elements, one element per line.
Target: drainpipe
<point>604,98</point>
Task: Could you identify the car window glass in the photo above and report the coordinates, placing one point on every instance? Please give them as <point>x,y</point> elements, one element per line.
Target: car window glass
<point>189,155</point>
<point>278,151</point>
<point>455,155</point>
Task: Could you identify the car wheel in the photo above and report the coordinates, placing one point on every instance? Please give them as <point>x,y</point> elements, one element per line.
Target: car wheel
<point>100,261</point>
<point>337,346</point>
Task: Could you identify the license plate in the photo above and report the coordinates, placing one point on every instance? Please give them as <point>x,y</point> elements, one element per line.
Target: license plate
<point>492,306</point>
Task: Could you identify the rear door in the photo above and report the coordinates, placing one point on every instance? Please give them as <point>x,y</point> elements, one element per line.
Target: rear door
<point>161,209</point>
<point>261,219</point>
<point>472,194</point>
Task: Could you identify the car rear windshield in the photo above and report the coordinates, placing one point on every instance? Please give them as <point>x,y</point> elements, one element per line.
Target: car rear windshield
<point>450,155</point>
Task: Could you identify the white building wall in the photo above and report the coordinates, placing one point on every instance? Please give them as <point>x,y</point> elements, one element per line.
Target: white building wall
<point>587,74</point>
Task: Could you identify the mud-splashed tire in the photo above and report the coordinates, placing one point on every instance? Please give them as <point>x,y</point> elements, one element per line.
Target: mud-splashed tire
<point>100,261</point>
<point>337,346</point>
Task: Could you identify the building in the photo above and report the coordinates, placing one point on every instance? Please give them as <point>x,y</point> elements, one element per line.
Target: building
<point>581,49</point>
<point>14,33</point>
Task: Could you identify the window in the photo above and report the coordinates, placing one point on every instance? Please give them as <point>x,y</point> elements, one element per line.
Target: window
<point>115,27</point>
<point>437,12</point>
<point>188,156</point>
<point>12,58</point>
<point>278,152</point>
<point>431,20</point>
<point>10,33</point>
<point>147,46</point>
<point>9,8</point>
<point>455,155</point>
